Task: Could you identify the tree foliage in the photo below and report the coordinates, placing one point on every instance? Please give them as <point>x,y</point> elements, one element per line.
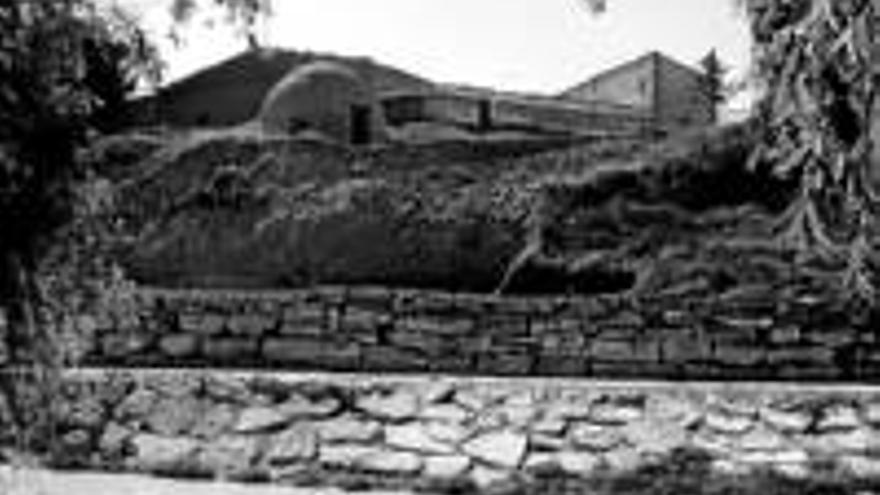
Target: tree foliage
<point>62,62</point>
<point>814,58</point>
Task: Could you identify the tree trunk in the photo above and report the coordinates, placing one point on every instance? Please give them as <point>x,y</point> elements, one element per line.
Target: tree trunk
<point>29,377</point>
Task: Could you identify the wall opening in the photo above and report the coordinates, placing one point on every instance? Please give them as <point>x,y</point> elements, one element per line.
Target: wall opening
<point>360,124</point>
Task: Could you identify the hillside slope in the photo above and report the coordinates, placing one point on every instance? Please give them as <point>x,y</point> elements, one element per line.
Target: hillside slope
<point>240,210</point>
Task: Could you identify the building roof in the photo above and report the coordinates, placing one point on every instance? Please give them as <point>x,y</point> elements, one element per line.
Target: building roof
<point>269,65</point>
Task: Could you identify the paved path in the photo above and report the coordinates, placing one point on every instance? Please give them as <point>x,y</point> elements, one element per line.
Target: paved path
<point>41,482</point>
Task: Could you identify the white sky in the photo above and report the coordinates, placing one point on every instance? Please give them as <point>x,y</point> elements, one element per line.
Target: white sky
<point>525,45</point>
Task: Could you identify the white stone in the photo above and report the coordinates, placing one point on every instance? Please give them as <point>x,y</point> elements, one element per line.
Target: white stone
<point>229,454</point>
<point>862,441</point>
<point>712,443</point>
<point>437,391</point>
<point>344,455</point>
<point>728,423</point>
<point>292,445</point>
<point>549,427</point>
<point>861,467</point>
<point>655,435</point>
<point>613,414</point>
<point>389,461</point>
<point>680,410</point>
<point>450,413</point>
<point>565,410</point>
<point>471,399</point>
<point>625,459</point>
<point>415,437</point>
<point>786,421</point>
<point>447,466</point>
<point>537,460</point>
<point>484,476</point>
<point>578,463</point>
<point>761,438</point>
<point>157,453</point>
<point>451,433</point>
<point>596,437</point>
<point>766,458</point>
<point>797,471</point>
<point>518,416</point>
<point>500,448</point>
<point>396,406</point>
<point>348,429</point>
<point>730,467</point>
<point>871,413</point>
<point>259,418</point>
<point>838,417</point>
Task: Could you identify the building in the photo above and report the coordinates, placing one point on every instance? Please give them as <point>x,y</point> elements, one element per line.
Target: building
<point>670,93</point>
<point>232,92</point>
<point>325,97</point>
<point>485,110</point>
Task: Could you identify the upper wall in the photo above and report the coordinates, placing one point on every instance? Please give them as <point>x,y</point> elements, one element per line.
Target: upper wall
<point>681,101</point>
<point>746,332</point>
<point>632,83</point>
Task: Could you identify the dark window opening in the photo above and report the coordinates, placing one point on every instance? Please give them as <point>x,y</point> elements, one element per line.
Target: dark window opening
<point>360,124</point>
<point>203,119</point>
<point>295,126</point>
<point>484,115</point>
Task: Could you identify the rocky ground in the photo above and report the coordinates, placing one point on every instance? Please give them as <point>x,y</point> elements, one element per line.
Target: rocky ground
<point>432,433</point>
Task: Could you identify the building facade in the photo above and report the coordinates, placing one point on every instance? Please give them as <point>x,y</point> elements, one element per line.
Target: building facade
<point>670,92</point>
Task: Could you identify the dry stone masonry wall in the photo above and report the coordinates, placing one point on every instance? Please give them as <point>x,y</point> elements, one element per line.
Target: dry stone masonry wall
<point>745,333</point>
<point>324,430</point>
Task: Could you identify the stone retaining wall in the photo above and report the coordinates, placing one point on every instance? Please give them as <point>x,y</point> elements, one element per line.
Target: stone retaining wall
<point>745,333</point>
<point>396,432</point>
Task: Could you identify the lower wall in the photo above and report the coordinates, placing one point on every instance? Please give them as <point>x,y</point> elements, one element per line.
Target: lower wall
<point>745,333</point>
<point>435,433</point>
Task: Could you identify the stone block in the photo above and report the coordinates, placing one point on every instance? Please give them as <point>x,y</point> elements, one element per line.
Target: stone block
<point>309,352</point>
<point>785,335</point>
<point>229,350</point>
<point>362,321</point>
<point>432,325</point>
<point>388,358</point>
<point>180,345</point>
<point>429,344</point>
<point>304,314</point>
<point>377,297</point>
<point>684,347</point>
<point>562,365</point>
<point>250,324</point>
<point>123,344</point>
<point>503,325</point>
<point>514,364</point>
<point>802,354</point>
<point>630,369</point>
<point>452,363</point>
<point>201,324</point>
<point>831,337</point>
<point>612,350</point>
<point>738,354</point>
<point>294,329</point>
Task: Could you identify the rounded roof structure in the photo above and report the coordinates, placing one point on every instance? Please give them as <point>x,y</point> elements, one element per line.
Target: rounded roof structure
<point>320,96</point>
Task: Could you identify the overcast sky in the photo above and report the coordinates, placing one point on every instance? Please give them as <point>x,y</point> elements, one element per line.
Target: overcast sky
<point>526,45</point>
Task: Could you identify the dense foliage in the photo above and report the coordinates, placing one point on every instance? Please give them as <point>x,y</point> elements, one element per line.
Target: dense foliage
<point>814,58</point>
<point>63,64</point>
